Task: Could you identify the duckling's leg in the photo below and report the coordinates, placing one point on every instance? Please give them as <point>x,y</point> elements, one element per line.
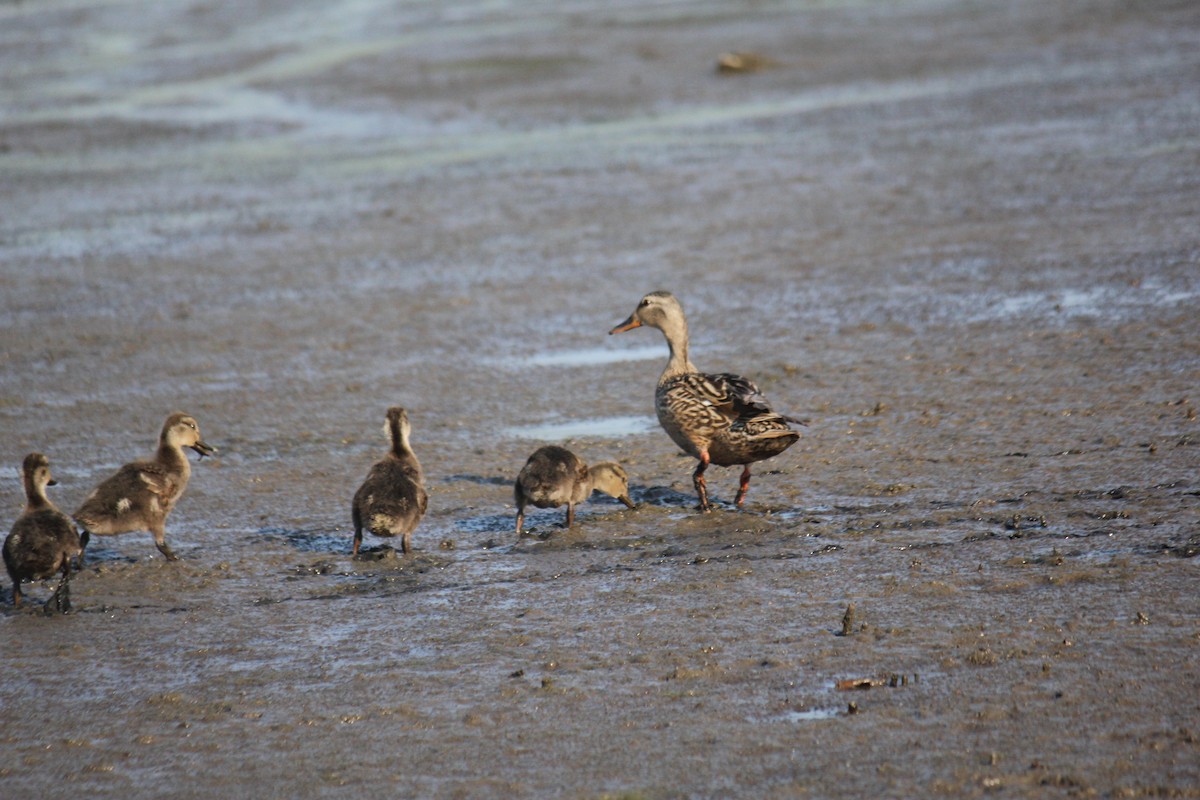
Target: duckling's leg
<point>570,515</point>
<point>160,541</point>
<point>406,543</point>
<point>16,593</point>
<point>698,481</point>
<point>743,487</point>
<point>62,593</point>
<point>85,536</point>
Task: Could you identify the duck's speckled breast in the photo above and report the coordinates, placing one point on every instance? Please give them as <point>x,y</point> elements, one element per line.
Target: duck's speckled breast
<point>689,419</point>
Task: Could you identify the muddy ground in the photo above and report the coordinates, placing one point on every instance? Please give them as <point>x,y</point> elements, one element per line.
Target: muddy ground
<point>959,237</point>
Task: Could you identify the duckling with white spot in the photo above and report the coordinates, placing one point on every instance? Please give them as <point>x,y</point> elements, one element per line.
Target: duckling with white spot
<point>140,495</point>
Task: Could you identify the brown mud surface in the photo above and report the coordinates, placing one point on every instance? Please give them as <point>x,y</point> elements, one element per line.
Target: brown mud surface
<point>960,237</point>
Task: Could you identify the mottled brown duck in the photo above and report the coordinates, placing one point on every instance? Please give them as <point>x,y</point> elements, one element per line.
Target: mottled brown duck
<point>720,419</point>
<point>392,499</point>
<point>43,540</point>
<point>140,495</point>
<point>554,476</point>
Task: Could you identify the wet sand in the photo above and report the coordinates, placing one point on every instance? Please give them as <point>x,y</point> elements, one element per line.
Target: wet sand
<point>959,238</point>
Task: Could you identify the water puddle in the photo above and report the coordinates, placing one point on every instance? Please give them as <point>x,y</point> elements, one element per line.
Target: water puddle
<point>812,714</point>
<point>602,427</point>
<point>1096,301</point>
<point>593,356</point>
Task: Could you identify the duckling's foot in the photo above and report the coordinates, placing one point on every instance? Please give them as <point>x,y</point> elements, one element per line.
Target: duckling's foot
<point>59,603</point>
<point>166,550</point>
<point>62,593</point>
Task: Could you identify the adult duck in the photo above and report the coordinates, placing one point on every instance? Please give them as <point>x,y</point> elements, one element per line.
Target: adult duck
<point>717,418</point>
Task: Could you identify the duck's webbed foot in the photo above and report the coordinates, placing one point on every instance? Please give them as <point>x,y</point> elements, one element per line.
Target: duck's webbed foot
<point>166,550</point>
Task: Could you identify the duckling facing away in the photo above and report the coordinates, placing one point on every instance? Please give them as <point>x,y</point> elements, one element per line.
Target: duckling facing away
<point>43,539</point>
<point>140,495</point>
<point>554,476</point>
<point>720,419</point>
<point>392,500</point>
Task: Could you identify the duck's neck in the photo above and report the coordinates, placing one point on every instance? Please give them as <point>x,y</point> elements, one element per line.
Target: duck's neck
<point>401,449</point>
<point>676,334</point>
<point>35,495</point>
<point>172,454</point>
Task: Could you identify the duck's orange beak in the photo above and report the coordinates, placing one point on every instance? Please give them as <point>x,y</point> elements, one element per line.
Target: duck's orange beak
<point>627,325</point>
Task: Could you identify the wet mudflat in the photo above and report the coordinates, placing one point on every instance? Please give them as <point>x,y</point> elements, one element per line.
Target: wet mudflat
<point>959,238</point>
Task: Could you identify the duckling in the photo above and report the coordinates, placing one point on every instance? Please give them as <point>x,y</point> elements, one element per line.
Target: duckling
<point>392,499</point>
<point>720,419</point>
<point>140,495</point>
<point>554,476</point>
<point>43,540</point>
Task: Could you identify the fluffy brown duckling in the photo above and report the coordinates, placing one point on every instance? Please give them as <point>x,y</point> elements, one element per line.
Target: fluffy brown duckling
<point>554,476</point>
<point>392,499</point>
<point>140,495</point>
<point>720,419</point>
<point>43,540</point>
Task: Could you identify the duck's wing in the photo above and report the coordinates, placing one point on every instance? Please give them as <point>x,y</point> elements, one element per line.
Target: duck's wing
<point>154,477</point>
<point>740,400</point>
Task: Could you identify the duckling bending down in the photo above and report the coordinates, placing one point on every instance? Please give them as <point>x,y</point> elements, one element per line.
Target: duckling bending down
<point>392,500</point>
<point>43,539</point>
<point>140,495</point>
<point>719,419</point>
<point>554,476</point>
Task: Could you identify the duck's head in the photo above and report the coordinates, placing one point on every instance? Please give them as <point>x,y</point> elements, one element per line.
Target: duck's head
<point>182,430</point>
<point>658,310</point>
<point>36,469</point>
<point>610,478</point>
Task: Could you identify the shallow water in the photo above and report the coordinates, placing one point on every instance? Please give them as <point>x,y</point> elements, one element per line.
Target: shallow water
<point>958,239</point>
<point>608,427</point>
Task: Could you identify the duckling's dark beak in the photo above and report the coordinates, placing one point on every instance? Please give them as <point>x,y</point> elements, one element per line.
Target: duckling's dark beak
<point>627,325</point>
<point>204,449</point>
<point>625,499</point>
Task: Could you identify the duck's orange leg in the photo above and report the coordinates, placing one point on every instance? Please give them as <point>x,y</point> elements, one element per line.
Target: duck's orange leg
<point>698,481</point>
<point>743,487</point>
